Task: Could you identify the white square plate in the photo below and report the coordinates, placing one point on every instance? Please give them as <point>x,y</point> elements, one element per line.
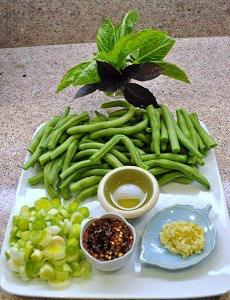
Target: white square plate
<point>137,281</point>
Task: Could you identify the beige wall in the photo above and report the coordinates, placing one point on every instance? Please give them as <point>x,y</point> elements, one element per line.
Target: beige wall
<point>46,22</point>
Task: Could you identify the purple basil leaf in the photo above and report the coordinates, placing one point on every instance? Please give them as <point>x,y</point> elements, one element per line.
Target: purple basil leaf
<point>111,79</point>
<point>107,71</point>
<point>139,96</point>
<point>148,71</point>
<point>130,72</point>
<point>86,90</point>
<point>107,86</point>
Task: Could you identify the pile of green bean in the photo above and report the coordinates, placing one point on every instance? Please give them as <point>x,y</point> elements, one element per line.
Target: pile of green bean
<point>74,151</point>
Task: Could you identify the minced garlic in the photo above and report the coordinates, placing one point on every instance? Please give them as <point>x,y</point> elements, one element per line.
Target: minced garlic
<point>183,238</point>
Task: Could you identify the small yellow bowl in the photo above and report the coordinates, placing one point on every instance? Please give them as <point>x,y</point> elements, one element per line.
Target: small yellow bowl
<point>129,191</point>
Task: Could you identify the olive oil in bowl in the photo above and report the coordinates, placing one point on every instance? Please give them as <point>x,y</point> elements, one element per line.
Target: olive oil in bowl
<point>129,191</point>
<point>128,196</point>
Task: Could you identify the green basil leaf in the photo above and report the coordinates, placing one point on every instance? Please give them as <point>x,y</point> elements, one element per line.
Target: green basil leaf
<point>155,51</point>
<point>171,70</point>
<point>126,26</point>
<point>127,44</point>
<point>106,36</point>
<point>71,76</point>
<point>88,75</point>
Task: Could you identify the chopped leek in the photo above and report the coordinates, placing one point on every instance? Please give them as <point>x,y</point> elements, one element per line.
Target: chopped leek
<point>44,242</point>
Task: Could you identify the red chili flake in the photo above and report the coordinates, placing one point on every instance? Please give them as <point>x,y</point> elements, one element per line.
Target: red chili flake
<point>107,239</point>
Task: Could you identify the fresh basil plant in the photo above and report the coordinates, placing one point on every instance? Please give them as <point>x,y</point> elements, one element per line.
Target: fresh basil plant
<point>124,56</point>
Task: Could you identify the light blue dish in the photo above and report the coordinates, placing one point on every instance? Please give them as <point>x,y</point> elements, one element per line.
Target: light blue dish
<point>153,253</point>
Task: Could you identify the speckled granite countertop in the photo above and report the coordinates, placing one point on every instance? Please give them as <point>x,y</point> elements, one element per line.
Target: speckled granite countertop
<point>29,77</point>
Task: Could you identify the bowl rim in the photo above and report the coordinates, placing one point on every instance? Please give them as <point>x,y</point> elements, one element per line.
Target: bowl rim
<point>128,213</point>
<point>89,221</point>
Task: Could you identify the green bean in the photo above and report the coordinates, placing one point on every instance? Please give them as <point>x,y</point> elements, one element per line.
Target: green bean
<point>100,116</point>
<point>143,137</point>
<point>130,122</point>
<point>63,116</point>
<point>154,120</point>
<point>140,151</point>
<point>73,121</point>
<point>200,161</point>
<point>195,160</point>
<point>184,180</point>
<point>55,168</point>
<point>97,172</point>
<point>64,136</point>
<point>63,121</point>
<point>45,157</point>
<point>78,175</point>
<point>202,146</point>
<point>191,160</point>
<point>169,177</point>
<point>129,130</point>
<point>84,153</point>
<point>208,140</point>
<point>63,147</point>
<point>183,124</point>
<point>70,154</point>
<point>164,131</point>
<point>115,152</point>
<point>194,114</point>
<point>65,192</point>
<point>136,142</point>
<point>118,113</point>
<point>94,120</point>
<point>190,127</point>
<point>108,157</point>
<point>158,170</point>
<point>36,179</point>
<point>112,160</point>
<point>49,188</point>
<point>35,156</point>
<point>44,144</point>
<point>187,170</point>
<point>84,183</point>
<point>112,142</point>
<point>164,147</point>
<point>171,129</point>
<point>37,138</point>
<point>101,125</point>
<point>184,141</point>
<point>88,192</point>
<point>170,156</point>
<point>116,103</point>
<point>74,167</point>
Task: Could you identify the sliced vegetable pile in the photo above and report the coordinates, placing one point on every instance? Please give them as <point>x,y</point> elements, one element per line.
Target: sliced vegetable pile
<point>44,243</point>
<point>75,151</point>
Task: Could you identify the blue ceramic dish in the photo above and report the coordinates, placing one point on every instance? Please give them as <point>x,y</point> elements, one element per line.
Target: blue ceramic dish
<point>154,253</point>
